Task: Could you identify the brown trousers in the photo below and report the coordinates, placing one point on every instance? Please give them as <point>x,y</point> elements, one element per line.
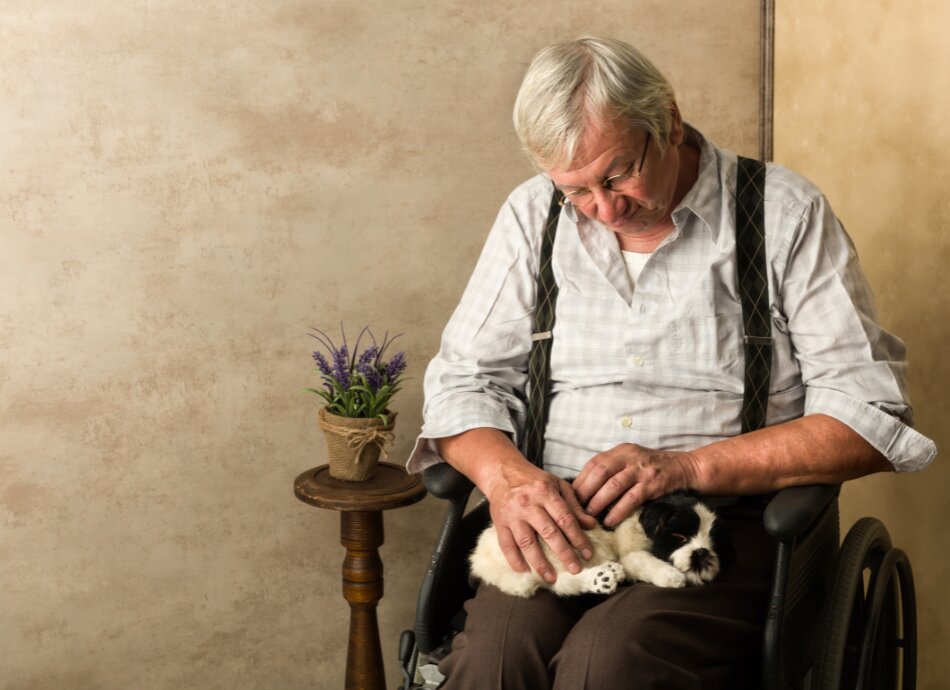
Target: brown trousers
<point>640,637</point>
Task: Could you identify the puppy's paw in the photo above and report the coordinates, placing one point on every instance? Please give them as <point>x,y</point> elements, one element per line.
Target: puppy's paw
<point>668,577</point>
<point>606,577</point>
<point>617,570</point>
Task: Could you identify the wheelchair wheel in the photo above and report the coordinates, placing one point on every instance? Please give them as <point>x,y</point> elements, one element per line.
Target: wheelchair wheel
<point>870,618</point>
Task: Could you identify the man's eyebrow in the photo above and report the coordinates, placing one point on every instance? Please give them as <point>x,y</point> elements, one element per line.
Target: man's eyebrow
<point>611,170</point>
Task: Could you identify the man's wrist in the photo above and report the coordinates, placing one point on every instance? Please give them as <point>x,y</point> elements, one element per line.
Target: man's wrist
<point>503,472</point>
<point>696,470</point>
<point>487,456</point>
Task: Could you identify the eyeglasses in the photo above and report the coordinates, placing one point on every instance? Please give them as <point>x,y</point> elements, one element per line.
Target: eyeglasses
<point>583,195</point>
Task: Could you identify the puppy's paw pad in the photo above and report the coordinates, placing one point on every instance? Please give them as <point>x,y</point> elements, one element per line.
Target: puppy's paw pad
<point>604,588</point>
<point>606,577</point>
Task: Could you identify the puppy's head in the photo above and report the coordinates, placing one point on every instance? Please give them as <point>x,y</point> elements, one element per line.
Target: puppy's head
<point>687,534</point>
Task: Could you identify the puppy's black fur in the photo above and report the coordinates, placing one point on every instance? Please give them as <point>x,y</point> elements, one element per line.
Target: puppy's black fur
<point>669,518</point>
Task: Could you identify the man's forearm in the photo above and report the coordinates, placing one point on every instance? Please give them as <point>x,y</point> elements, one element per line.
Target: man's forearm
<point>816,449</point>
<point>483,455</point>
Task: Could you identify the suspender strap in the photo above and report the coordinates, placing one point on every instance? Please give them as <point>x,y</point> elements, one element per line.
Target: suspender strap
<point>753,291</point>
<point>539,360</point>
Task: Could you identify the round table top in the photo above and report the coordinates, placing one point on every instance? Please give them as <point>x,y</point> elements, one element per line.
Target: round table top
<point>389,487</point>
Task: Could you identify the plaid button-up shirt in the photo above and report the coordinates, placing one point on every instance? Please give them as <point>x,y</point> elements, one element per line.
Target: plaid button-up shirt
<point>661,363</point>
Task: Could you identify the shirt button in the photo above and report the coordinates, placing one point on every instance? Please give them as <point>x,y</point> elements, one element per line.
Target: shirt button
<point>626,422</point>
<point>638,360</point>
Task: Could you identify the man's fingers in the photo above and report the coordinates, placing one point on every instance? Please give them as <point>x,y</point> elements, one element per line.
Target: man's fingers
<point>530,548</point>
<point>632,499</point>
<point>509,548</point>
<point>568,522</point>
<point>590,479</point>
<point>610,491</point>
<point>564,548</point>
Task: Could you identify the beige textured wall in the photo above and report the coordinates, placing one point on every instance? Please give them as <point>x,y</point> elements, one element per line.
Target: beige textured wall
<point>184,189</point>
<point>861,108</point>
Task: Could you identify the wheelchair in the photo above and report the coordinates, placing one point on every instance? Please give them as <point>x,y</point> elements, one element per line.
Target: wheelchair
<point>837,617</point>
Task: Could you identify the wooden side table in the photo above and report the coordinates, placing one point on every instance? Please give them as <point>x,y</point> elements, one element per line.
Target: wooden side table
<point>361,506</point>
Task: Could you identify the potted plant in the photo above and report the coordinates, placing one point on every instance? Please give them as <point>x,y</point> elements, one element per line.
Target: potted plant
<point>358,387</point>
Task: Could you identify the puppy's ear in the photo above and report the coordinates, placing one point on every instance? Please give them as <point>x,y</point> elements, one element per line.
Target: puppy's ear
<point>654,516</point>
<point>722,542</point>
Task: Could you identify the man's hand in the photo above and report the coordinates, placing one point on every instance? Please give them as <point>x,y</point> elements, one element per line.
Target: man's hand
<point>630,475</point>
<point>527,502</point>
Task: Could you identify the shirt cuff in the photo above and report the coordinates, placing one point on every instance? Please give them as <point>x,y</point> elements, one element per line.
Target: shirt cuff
<point>907,450</point>
<point>424,455</point>
<point>453,419</point>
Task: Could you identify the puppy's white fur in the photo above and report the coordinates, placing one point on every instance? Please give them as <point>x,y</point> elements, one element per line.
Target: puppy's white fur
<point>601,573</point>
<point>617,556</point>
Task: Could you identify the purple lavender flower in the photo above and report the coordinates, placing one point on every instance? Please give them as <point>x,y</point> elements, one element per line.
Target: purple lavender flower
<point>373,378</point>
<point>395,366</point>
<point>366,366</point>
<point>322,363</point>
<point>341,367</point>
<point>366,359</point>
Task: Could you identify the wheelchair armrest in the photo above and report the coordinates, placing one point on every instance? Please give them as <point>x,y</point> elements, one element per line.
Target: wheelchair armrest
<point>445,482</point>
<point>795,509</point>
<point>445,586</point>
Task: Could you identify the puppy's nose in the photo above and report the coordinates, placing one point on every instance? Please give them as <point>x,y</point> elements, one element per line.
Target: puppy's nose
<point>700,559</point>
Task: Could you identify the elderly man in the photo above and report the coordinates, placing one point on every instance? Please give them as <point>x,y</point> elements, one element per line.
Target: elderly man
<point>647,377</point>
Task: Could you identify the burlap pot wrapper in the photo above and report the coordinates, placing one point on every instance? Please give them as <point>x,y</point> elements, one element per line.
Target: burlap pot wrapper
<point>354,444</point>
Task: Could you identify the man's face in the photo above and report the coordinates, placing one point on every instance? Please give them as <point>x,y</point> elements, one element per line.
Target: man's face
<point>639,205</point>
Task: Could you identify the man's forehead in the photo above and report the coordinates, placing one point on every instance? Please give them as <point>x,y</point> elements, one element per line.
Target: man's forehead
<point>600,150</point>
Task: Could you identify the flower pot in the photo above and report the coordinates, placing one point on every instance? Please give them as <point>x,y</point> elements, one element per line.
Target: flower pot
<point>354,444</point>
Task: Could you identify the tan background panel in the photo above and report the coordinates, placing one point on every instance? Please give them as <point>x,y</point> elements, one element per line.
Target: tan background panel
<point>861,108</point>
<point>184,189</point>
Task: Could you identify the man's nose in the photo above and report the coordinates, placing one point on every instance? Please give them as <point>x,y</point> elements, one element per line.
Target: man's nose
<point>610,206</point>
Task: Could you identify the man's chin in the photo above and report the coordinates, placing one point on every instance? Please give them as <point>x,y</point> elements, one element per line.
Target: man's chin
<point>630,227</point>
<point>641,224</point>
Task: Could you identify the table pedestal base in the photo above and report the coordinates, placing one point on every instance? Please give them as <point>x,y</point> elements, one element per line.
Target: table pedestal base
<point>362,535</point>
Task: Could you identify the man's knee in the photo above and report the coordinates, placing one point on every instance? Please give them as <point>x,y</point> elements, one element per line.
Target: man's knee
<point>650,637</point>
<point>627,649</point>
<point>508,639</point>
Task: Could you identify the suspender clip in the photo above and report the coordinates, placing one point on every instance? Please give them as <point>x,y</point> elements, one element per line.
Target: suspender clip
<point>543,335</point>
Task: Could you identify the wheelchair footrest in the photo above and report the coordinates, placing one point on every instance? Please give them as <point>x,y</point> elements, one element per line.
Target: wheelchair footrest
<point>428,677</point>
<point>427,672</point>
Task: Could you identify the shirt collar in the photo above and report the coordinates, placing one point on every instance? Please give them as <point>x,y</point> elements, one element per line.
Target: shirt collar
<point>704,199</point>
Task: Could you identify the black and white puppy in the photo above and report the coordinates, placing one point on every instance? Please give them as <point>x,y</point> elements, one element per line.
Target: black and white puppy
<point>673,541</point>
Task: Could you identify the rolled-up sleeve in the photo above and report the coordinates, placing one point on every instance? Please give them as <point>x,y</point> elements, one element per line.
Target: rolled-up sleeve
<point>477,379</point>
<point>853,369</point>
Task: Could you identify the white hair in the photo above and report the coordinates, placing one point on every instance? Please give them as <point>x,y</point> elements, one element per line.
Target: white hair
<point>590,82</point>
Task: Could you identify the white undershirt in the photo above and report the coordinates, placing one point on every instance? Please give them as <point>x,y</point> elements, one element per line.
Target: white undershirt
<point>635,261</point>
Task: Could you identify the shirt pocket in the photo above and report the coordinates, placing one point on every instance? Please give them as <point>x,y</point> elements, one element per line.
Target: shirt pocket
<point>703,353</point>
<point>588,345</point>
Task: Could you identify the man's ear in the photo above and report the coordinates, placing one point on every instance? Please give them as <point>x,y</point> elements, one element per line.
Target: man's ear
<point>654,516</point>
<point>677,130</point>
